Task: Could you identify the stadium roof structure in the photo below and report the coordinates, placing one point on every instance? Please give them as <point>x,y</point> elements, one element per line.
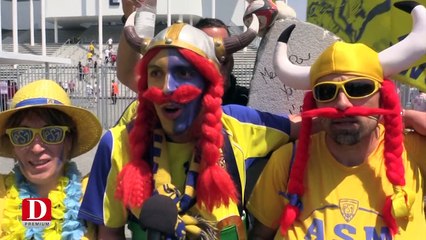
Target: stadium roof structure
<point>23,58</point>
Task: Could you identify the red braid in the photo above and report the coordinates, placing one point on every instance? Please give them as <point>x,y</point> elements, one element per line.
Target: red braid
<point>214,185</point>
<point>393,148</point>
<point>134,182</point>
<point>296,189</point>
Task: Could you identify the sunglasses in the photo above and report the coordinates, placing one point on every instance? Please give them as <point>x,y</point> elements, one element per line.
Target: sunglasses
<point>355,88</point>
<point>23,136</point>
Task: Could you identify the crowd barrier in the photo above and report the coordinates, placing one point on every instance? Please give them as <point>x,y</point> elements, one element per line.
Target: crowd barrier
<point>91,90</point>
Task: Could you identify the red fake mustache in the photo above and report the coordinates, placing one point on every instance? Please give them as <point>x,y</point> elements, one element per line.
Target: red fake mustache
<point>183,94</point>
<point>349,112</point>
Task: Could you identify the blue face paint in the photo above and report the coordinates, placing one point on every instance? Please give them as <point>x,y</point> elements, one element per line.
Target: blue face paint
<point>182,72</point>
<point>169,70</point>
<point>61,157</point>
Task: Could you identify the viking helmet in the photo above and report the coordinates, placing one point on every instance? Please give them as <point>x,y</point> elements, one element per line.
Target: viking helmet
<point>186,36</point>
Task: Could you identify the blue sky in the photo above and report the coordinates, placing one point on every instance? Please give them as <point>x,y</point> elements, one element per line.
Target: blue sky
<point>300,7</point>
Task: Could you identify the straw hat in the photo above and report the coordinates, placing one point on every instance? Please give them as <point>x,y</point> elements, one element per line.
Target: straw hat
<point>48,94</point>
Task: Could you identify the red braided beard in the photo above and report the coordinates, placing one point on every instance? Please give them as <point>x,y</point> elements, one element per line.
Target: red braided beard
<point>183,94</point>
<point>349,112</point>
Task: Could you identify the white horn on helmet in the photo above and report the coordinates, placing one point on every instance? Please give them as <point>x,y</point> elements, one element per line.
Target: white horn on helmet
<point>137,43</point>
<point>291,75</point>
<point>402,55</point>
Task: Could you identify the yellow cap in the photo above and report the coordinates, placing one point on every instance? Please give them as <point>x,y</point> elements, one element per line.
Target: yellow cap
<point>347,58</point>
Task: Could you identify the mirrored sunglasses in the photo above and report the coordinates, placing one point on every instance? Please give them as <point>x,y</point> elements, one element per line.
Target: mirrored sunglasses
<point>23,136</point>
<point>355,88</point>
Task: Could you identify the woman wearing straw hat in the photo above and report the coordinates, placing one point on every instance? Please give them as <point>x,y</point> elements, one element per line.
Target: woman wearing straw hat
<point>42,131</point>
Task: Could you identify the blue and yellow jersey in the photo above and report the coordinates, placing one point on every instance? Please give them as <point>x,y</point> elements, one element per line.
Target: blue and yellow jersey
<point>341,202</point>
<point>129,113</point>
<point>252,135</point>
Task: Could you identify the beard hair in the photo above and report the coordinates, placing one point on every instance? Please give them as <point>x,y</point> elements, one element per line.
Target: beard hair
<point>350,137</point>
<point>346,137</point>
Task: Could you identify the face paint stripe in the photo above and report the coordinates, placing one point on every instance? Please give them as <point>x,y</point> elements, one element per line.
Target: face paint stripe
<point>178,108</point>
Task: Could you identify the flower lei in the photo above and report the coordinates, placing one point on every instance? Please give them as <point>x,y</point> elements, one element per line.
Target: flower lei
<point>65,205</point>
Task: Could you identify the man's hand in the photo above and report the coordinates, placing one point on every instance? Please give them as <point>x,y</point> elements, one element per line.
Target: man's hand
<point>415,120</point>
<point>127,58</point>
<point>129,6</point>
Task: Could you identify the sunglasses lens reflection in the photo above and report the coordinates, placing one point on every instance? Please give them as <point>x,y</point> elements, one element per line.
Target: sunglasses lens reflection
<point>325,91</point>
<point>359,88</point>
<point>22,136</point>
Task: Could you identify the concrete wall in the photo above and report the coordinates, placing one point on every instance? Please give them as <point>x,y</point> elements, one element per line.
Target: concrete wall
<point>23,15</point>
<point>267,92</point>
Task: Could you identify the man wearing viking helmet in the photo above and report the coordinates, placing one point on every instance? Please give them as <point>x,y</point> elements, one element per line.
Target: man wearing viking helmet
<point>178,169</point>
<point>361,177</point>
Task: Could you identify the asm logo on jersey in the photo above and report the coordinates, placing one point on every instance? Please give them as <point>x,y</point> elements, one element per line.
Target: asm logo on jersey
<point>348,208</point>
<point>351,227</point>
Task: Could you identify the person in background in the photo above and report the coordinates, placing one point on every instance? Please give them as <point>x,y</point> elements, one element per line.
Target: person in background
<point>90,92</point>
<point>89,57</point>
<point>8,89</point>
<point>86,71</point>
<point>80,71</point>
<point>71,85</point>
<point>234,94</point>
<point>92,48</point>
<point>113,58</point>
<point>12,89</point>
<point>107,53</point>
<point>114,91</point>
<point>3,95</point>
<point>95,69</point>
<point>65,86</point>
<point>42,132</point>
<point>109,43</point>
<point>361,177</point>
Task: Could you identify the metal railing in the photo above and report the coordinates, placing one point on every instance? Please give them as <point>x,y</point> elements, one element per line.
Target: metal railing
<point>92,90</point>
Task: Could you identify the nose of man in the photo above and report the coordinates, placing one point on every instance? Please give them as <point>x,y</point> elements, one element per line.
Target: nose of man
<point>170,84</point>
<point>342,101</point>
